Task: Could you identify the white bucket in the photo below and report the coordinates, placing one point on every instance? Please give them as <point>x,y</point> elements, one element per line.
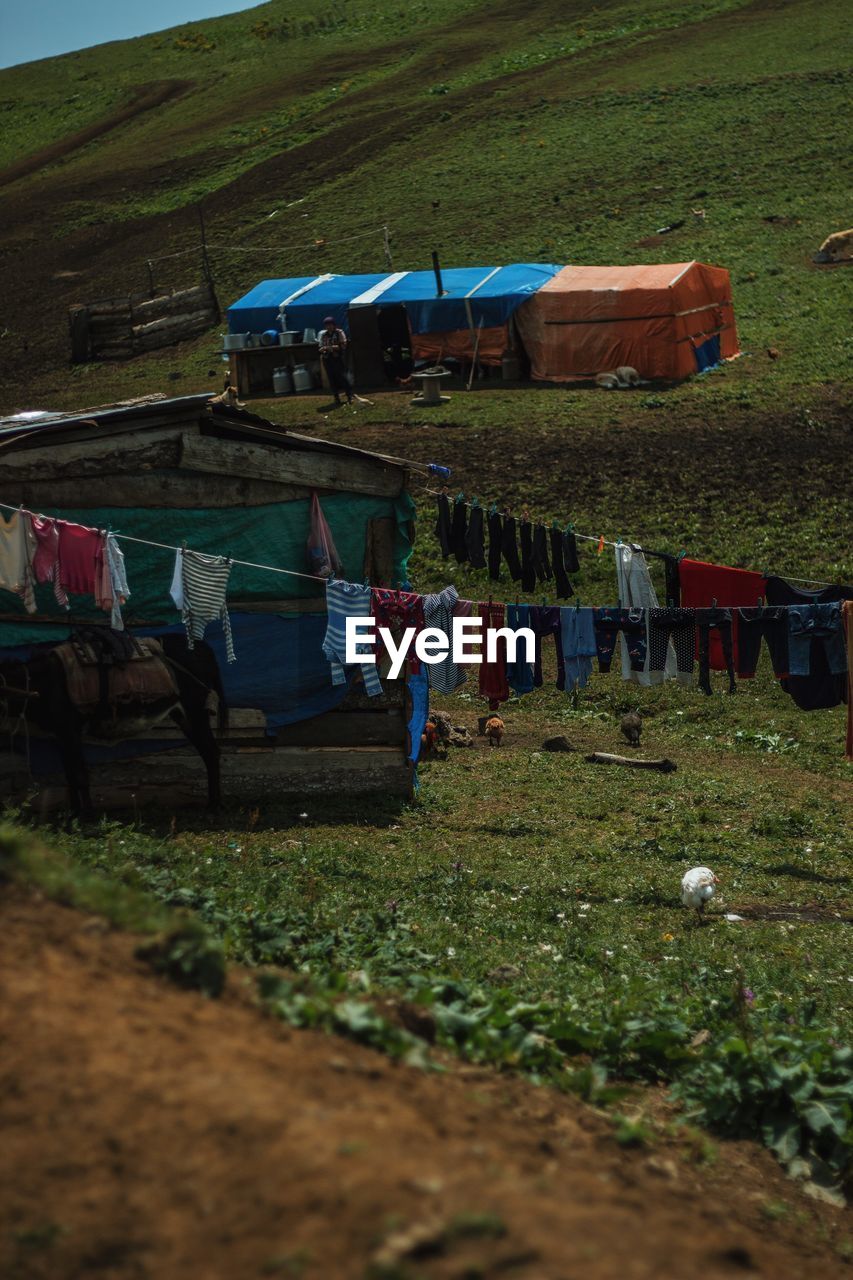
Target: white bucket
<point>310,335</point>
<point>234,341</point>
<point>288,337</point>
<point>282,381</point>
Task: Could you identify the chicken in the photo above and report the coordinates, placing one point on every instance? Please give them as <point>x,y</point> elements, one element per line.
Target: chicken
<point>697,888</point>
<point>632,726</point>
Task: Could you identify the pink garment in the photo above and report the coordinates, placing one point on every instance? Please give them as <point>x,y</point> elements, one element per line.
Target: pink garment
<point>79,548</point>
<point>46,558</point>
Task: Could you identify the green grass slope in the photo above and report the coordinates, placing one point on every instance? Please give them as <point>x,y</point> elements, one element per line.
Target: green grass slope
<point>546,131</point>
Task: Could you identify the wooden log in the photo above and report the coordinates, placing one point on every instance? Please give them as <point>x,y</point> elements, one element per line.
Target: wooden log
<point>288,465</point>
<point>67,461</point>
<point>170,323</point>
<point>196,299</point>
<point>172,490</point>
<point>605,757</point>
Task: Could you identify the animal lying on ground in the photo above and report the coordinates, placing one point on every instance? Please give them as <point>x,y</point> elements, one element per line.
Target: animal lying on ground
<point>632,726</point>
<point>619,379</point>
<point>124,687</point>
<point>697,888</point>
<point>836,248</point>
<point>495,730</point>
<point>228,397</point>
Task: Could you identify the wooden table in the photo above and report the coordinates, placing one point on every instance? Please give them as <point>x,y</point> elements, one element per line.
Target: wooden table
<point>252,368</point>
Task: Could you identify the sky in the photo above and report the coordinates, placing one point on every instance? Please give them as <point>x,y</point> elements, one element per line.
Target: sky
<point>31,29</point>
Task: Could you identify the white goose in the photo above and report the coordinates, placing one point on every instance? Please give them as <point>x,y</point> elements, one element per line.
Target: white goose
<point>697,888</point>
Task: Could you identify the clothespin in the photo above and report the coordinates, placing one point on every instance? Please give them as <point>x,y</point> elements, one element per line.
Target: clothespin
<point>475,502</point>
<point>682,553</point>
<point>493,509</point>
<point>600,546</point>
<point>460,497</point>
<point>761,602</point>
<point>577,602</point>
<point>714,602</point>
<point>544,602</point>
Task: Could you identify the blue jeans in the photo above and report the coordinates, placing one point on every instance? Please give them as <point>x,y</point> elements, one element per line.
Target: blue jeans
<point>820,623</point>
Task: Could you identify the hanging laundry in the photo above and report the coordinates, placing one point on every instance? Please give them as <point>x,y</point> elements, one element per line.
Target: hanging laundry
<point>636,591</point>
<point>545,620</point>
<point>541,563</point>
<point>475,537</point>
<point>496,530</point>
<point>493,679</point>
<point>199,584</point>
<point>675,626</point>
<point>465,609</point>
<point>570,552</point>
<point>442,525</point>
<point>528,568</point>
<point>679,627</point>
<point>79,548</point>
<point>447,675</point>
<point>46,558</point>
<point>520,673</point>
<point>564,588</point>
<point>821,687</point>
<point>322,554</point>
<point>765,622</point>
<point>458,530</point>
<point>719,620</point>
<point>509,546</point>
<point>418,686</point>
<point>703,585</point>
<point>348,600</point>
<point>577,628</point>
<point>398,610</point>
<point>111,589</point>
<point>847,615</point>
<point>812,626</point>
<point>672,574</point>
<point>18,546</point>
<point>608,623</point>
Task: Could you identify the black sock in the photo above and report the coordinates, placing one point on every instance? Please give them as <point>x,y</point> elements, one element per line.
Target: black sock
<point>496,529</point>
<point>509,546</point>
<point>564,587</point>
<point>474,538</point>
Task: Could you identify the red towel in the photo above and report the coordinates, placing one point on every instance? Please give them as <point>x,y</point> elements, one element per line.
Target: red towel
<point>493,677</point>
<point>702,584</point>
<point>79,548</point>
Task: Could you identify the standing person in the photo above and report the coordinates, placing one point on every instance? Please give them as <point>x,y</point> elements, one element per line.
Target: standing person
<point>333,345</point>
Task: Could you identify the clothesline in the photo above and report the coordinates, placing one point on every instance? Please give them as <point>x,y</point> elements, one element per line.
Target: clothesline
<point>165,546</point>
<point>585,537</point>
<point>602,541</point>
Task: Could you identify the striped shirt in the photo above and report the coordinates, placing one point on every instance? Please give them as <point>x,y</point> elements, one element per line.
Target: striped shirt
<point>198,590</point>
<point>445,676</point>
<point>348,600</point>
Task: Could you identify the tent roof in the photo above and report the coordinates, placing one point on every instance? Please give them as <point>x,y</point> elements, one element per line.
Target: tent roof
<point>492,293</point>
<point>653,276</point>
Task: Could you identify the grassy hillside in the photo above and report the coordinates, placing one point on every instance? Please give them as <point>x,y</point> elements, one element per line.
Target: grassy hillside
<point>529,902</point>
<point>546,131</point>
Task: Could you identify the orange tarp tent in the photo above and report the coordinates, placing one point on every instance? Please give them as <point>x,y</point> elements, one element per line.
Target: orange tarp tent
<point>665,321</point>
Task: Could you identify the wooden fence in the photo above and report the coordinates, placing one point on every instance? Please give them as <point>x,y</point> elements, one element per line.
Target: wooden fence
<point>118,328</point>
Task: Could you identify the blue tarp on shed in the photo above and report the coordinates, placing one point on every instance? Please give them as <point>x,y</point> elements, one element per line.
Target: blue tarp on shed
<point>492,292</point>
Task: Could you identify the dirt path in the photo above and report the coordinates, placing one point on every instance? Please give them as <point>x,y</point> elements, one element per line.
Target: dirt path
<point>145,98</point>
<point>151,1133</point>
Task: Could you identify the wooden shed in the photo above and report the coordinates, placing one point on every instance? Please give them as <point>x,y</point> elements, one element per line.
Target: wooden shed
<point>223,481</point>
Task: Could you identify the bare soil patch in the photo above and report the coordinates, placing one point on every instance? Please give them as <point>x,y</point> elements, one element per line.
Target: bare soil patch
<point>150,1132</point>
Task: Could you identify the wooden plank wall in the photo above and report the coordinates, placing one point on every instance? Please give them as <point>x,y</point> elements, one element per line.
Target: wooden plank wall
<point>118,328</point>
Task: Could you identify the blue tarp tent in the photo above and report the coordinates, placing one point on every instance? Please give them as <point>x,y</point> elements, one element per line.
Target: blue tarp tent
<point>491,293</point>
